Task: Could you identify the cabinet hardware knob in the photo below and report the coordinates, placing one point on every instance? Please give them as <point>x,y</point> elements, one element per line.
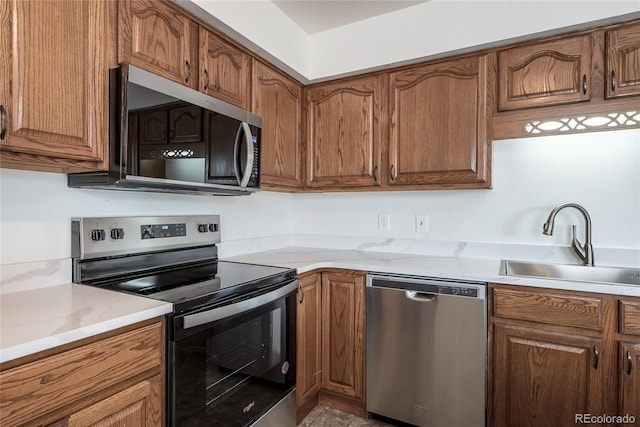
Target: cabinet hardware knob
<point>3,118</point>
<point>186,80</point>
<point>629,363</point>
<point>596,356</point>
<point>206,79</point>
<point>392,173</point>
<point>613,81</point>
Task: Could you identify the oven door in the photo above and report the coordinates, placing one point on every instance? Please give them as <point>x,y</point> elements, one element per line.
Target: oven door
<point>232,363</point>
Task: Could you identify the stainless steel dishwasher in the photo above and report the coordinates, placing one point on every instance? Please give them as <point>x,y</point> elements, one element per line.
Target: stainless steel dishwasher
<point>426,350</point>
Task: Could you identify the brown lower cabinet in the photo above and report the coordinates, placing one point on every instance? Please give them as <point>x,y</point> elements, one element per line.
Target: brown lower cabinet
<point>331,341</point>
<point>114,379</point>
<point>559,357</point>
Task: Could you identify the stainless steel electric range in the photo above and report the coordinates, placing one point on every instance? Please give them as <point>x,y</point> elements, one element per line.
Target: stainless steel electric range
<point>231,336</point>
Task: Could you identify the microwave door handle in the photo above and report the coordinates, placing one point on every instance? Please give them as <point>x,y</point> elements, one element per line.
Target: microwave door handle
<point>243,176</point>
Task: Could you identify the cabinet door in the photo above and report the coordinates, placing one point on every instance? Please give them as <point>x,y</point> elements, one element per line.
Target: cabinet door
<point>153,127</point>
<point>344,133</point>
<point>343,333</point>
<point>623,61</point>
<point>629,379</point>
<point>225,70</point>
<point>139,406</point>
<point>278,100</point>
<point>185,124</point>
<point>555,72</point>
<point>155,36</point>
<point>309,341</point>
<point>54,90</point>
<point>439,116</point>
<point>543,378</point>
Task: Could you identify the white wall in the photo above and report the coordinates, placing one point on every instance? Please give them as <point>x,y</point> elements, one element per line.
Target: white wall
<point>36,210</point>
<point>424,30</point>
<point>600,171</point>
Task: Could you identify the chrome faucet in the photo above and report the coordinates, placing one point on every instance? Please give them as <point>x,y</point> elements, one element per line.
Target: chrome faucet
<point>585,252</point>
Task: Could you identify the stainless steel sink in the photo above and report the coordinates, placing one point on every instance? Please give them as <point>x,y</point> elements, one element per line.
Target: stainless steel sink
<point>616,275</point>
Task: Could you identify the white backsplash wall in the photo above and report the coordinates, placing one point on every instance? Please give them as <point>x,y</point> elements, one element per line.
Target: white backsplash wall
<point>600,171</point>
<point>36,210</point>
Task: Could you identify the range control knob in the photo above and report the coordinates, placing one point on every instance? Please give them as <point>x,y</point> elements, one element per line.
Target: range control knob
<point>98,234</point>
<point>213,227</point>
<point>203,228</point>
<point>117,233</point>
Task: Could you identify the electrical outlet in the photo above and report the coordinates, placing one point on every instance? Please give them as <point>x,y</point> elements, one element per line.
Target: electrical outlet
<point>384,222</point>
<point>422,223</point>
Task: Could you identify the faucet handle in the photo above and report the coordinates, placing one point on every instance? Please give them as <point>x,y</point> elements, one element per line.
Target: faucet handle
<point>576,245</point>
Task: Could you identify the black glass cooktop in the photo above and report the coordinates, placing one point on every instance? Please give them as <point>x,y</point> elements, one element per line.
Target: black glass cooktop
<point>209,280</point>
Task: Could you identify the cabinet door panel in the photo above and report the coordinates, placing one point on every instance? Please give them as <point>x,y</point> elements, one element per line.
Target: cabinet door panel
<point>344,133</point>
<point>134,406</point>
<point>278,100</point>
<point>555,72</point>
<point>225,71</point>
<point>623,61</point>
<point>55,78</point>
<point>544,378</point>
<point>309,360</point>
<point>629,379</point>
<point>438,123</point>
<point>158,38</point>
<point>343,334</point>
<point>185,124</point>
<point>153,127</point>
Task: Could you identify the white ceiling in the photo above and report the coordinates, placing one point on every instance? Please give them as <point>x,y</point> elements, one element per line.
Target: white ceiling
<point>314,16</point>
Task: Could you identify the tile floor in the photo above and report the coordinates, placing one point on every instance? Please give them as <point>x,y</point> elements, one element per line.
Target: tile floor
<point>322,416</point>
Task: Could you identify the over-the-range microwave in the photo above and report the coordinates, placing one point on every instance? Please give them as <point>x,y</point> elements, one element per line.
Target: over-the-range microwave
<point>165,137</point>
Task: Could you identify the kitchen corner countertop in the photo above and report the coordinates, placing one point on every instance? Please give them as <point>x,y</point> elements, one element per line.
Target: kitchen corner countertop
<point>41,319</point>
<point>474,269</point>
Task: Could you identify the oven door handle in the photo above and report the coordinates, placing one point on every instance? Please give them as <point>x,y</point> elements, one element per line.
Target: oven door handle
<point>197,319</point>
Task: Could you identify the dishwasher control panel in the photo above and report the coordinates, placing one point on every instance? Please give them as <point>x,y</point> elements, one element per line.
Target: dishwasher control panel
<point>428,285</point>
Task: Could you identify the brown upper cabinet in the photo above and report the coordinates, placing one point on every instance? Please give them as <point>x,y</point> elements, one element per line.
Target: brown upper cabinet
<point>344,133</point>
<point>278,100</point>
<point>549,73</point>
<point>225,70</point>
<point>157,37</point>
<point>54,90</point>
<point>623,61</point>
<point>439,131</point>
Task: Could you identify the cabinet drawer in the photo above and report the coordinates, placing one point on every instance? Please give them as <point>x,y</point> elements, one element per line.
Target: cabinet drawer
<point>630,317</point>
<point>34,389</point>
<point>549,307</point>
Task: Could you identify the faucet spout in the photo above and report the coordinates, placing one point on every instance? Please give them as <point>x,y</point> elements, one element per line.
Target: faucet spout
<point>584,251</point>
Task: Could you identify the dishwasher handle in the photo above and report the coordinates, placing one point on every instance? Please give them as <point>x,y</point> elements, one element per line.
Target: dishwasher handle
<point>420,296</point>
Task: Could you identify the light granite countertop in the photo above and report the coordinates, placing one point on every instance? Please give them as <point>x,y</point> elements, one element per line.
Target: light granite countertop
<point>460,268</point>
<point>46,317</point>
<point>41,319</point>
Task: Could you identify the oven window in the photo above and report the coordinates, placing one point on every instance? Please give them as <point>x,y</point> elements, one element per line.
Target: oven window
<point>234,370</point>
